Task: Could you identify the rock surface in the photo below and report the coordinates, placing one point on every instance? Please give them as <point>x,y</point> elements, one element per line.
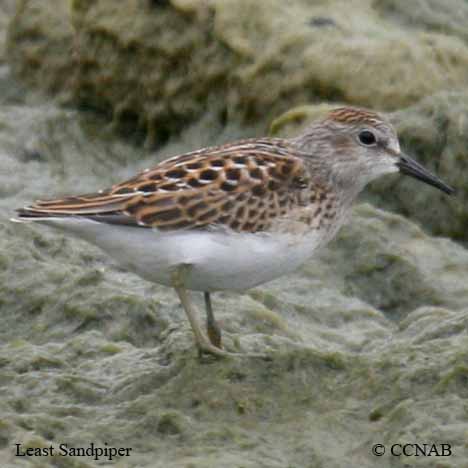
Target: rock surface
<point>156,66</point>
<point>367,343</point>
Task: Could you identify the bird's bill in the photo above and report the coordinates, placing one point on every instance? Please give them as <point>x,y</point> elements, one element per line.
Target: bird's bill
<point>410,167</point>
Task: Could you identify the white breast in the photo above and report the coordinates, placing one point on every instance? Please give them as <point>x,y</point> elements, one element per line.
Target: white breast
<point>217,259</point>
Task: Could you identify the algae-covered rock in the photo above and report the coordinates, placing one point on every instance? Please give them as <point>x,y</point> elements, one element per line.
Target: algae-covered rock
<point>366,344</point>
<point>147,65</point>
<point>428,15</point>
<point>156,66</point>
<point>435,132</point>
<point>6,9</point>
<point>48,32</point>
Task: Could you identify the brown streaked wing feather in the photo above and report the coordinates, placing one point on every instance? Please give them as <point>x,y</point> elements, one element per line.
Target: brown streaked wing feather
<point>243,185</point>
<point>95,205</point>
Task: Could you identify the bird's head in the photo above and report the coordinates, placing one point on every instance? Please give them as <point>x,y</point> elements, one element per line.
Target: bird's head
<point>357,145</point>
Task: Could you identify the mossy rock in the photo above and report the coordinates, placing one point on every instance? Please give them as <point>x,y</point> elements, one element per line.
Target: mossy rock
<point>153,67</point>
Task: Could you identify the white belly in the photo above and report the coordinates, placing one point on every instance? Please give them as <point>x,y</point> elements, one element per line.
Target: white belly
<point>216,260</point>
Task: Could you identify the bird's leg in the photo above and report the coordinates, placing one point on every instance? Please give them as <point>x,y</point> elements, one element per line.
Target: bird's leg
<point>201,340</point>
<point>212,328</point>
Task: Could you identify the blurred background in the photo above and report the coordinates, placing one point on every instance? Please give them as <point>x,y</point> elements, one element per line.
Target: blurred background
<point>368,341</point>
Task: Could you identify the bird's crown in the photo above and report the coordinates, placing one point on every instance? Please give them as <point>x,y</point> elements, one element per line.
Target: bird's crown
<point>355,115</point>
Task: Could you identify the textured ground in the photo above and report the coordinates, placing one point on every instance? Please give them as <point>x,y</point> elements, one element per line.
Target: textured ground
<point>367,343</point>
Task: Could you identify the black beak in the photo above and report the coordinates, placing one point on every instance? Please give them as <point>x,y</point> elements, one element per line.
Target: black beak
<point>410,167</point>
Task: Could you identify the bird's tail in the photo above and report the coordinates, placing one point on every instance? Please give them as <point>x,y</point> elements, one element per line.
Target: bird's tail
<point>84,206</point>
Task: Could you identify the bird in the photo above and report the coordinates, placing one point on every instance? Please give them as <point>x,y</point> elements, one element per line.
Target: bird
<point>234,216</point>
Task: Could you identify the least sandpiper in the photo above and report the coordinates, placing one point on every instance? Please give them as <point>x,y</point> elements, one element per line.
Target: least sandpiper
<point>235,216</point>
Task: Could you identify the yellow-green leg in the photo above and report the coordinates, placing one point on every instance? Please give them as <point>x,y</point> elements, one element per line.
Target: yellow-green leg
<point>212,327</point>
<point>203,343</point>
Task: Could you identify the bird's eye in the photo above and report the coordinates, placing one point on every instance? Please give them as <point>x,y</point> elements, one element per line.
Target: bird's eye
<point>367,138</point>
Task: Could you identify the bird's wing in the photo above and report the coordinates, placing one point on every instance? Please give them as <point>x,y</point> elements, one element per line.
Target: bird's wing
<point>244,186</point>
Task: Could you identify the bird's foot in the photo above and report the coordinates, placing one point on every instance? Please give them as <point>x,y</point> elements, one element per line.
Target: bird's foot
<point>208,348</point>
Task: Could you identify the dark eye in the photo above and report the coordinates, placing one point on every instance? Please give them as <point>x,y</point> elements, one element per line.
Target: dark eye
<point>367,138</point>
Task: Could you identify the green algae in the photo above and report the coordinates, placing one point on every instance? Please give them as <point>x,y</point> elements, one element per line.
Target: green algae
<point>366,343</point>
<point>152,68</point>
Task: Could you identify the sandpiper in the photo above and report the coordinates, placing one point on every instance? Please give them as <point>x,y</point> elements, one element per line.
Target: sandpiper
<point>235,216</point>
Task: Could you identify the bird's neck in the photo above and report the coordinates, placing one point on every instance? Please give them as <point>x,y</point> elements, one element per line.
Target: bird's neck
<point>342,182</point>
